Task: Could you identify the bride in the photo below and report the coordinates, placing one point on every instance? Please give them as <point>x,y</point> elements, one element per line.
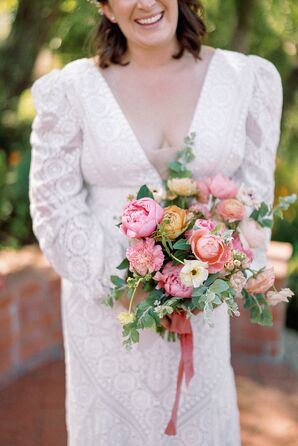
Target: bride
<point>105,126</point>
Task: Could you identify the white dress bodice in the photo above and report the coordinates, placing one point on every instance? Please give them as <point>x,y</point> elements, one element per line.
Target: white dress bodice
<point>85,161</point>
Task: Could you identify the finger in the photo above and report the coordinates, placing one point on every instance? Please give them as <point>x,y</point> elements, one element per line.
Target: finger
<point>196,311</point>
<point>166,322</point>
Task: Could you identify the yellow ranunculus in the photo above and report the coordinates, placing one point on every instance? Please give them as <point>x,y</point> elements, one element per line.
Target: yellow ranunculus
<point>184,187</point>
<point>125,317</point>
<point>177,221</point>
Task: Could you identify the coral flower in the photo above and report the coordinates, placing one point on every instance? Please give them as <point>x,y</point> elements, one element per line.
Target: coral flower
<point>210,248</point>
<point>262,282</point>
<point>231,210</point>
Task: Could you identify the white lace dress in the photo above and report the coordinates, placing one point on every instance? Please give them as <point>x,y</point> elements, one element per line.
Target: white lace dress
<point>85,161</point>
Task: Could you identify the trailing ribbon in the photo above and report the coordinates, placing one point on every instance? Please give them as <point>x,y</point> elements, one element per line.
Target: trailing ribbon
<point>181,325</point>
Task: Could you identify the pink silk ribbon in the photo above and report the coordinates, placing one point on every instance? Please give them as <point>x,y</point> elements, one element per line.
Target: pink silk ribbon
<point>181,325</point>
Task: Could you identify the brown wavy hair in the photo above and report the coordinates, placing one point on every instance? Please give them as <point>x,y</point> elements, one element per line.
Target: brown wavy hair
<point>111,44</point>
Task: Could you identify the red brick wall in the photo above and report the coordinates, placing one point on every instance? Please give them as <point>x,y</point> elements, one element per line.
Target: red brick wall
<point>255,341</point>
<point>30,320</point>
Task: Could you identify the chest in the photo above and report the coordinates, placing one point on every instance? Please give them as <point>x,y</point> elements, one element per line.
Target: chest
<point>159,108</point>
<point>115,149</point>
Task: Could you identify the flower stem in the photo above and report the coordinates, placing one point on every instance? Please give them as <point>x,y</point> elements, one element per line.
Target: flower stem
<point>177,260</point>
<point>164,243</point>
<point>257,303</point>
<point>133,294</point>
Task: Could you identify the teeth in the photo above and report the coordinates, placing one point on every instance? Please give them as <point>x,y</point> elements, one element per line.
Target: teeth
<point>151,20</point>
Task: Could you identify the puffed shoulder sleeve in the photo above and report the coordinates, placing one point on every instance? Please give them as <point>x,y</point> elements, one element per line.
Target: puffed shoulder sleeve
<point>68,233</point>
<point>262,134</point>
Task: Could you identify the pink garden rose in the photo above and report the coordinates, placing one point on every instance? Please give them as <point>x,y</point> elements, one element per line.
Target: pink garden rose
<point>222,187</point>
<point>210,248</point>
<point>208,224</point>
<point>201,224</point>
<point>141,217</point>
<point>231,210</point>
<point>169,279</point>
<point>262,282</point>
<point>145,256</point>
<point>203,192</point>
<point>200,208</point>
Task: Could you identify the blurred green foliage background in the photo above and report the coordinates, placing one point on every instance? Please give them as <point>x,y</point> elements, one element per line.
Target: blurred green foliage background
<point>38,35</point>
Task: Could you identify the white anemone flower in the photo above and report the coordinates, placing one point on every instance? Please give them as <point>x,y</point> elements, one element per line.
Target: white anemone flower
<point>194,273</point>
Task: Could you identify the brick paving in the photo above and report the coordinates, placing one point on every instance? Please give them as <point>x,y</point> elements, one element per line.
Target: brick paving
<point>32,407</point>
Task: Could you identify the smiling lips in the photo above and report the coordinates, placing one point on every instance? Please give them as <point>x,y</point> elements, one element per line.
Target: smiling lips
<point>150,20</point>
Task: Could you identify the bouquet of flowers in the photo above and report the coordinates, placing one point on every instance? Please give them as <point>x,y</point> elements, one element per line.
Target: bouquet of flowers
<point>191,250</point>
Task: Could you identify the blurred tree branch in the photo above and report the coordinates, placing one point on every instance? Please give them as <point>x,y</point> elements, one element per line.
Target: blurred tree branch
<point>244,20</point>
<point>29,32</point>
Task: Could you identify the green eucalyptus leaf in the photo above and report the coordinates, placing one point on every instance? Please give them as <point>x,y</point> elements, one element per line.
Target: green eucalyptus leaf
<point>219,286</point>
<point>266,318</point>
<point>267,223</point>
<point>175,166</point>
<point>117,281</point>
<point>255,315</point>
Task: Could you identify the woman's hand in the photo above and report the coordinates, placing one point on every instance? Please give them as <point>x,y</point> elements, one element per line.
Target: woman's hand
<point>167,320</point>
<point>139,297</point>
<point>142,295</point>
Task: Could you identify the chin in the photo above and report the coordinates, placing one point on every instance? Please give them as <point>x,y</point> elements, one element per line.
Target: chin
<point>158,40</point>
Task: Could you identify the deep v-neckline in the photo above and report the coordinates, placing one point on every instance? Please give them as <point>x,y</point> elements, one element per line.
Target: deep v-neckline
<point>122,115</point>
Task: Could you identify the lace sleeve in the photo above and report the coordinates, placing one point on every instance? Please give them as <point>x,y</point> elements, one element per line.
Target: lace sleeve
<point>68,233</point>
<point>262,137</point>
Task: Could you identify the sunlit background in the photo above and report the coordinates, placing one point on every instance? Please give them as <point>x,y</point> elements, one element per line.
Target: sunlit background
<point>38,35</point>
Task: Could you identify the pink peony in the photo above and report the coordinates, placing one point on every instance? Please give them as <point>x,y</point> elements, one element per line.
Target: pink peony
<point>141,217</point>
<point>262,282</point>
<point>145,256</point>
<point>203,192</point>
<point>231,210</point>
<point>210,248</point>
<point>169,279</point>
<point>222,187</point>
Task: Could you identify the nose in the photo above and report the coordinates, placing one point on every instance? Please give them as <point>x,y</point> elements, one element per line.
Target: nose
<point>146,4</point>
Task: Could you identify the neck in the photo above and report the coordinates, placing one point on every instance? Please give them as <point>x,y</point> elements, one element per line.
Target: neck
<point>154,57</point>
